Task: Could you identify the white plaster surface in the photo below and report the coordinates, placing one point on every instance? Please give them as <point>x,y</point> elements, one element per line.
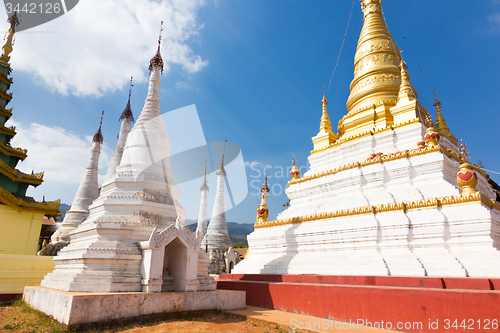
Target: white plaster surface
<point>104,255</point>
<point>79,308</point>
<point>454,240</point>
<point>217,236</point>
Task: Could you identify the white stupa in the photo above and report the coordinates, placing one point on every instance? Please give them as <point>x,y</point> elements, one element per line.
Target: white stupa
<point>87,192</point>
<point>104,253</point>
<point>217,236</point>
<point>377,199</point>
<point>202,215</point>
<point>127,118</point>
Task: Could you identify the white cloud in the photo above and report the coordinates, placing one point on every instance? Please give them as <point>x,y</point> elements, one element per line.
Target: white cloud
<point>494,20</point>
<point>61,154</point>
<point>182,85</point>
<point>98,45</point>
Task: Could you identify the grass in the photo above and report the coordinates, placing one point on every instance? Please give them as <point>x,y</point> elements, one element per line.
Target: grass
<point>17,316</point>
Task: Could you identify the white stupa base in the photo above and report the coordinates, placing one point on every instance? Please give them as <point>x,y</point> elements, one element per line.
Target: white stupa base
<point>457,240</point>
<point>72,308</point>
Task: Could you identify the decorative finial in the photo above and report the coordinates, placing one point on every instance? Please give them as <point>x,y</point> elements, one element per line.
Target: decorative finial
<point>127,113</point>
<point>264,188</point>
<point>441,125</point>
<point>295,172</point>
<point>98,135</point>
<point>204,186</point>
<point>157,60</point>
<point>221,170</point>
<point>405,89</point>
<point>467,179</point>
<point>7,48</point>
<point>464,151</point>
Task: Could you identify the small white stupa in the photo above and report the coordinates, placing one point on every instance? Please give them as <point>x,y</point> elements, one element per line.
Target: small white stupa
<point>87,192</point>
<point>202,215</point>
<point>217,236</point>
<point>127,118</point>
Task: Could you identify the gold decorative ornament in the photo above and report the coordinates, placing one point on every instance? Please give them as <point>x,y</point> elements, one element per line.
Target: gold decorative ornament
<point>431,137</point>
<point>441,125</point>
<point>467,179</point>
<point>401,206</point>
<point>262,213</point>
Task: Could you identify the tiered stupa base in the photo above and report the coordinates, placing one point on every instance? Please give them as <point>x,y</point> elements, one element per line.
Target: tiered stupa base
<point>397,214</point>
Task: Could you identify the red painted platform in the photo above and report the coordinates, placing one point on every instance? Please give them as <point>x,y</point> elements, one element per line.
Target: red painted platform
<point>408,304</point>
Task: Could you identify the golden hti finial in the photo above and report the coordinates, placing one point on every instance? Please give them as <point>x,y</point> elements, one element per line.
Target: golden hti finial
<point>441,125</point>
<point>325,125</point>
<point>7,48</point>
<point>127,113</point>
<point>406,90</point>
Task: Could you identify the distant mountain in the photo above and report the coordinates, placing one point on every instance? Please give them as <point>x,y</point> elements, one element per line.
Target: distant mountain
<point>238,232</point>
<point>63,208</point>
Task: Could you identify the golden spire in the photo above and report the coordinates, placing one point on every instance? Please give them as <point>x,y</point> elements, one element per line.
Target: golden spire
<point>325,136</point>
<point>405,89</point>
<point>376,63</point>
<point>157,60</point>
<point>325,125</point>
<point>441,125</point>
<point>7,48</point>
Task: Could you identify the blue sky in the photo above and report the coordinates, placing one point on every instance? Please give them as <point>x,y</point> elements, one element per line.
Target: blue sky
<point>254,71</point>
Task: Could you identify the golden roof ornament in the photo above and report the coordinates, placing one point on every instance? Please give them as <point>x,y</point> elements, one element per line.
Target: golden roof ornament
<point>98,135</point>
<point>406,90</point>
<point>262,212</point>
<point>295,172</point>
<point>467,179</point>
<point>432,137</point>
<point>325,135</point>
<point>157,60</point>
<point>463,150</point>
<point>441,125</point>
<point>7,48</point>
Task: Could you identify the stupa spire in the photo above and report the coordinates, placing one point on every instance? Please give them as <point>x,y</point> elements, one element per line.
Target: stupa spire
<point>376,63</point>
<point>262,210</point>
<point>202,215</point>
<point>217,236</point>
<point>441,125</point>
<point>127,118</point>
<point>157,60</point>
<point>87,192</point>
<point>406,90</point>
<point>7,48</point>
<point>325,135</point>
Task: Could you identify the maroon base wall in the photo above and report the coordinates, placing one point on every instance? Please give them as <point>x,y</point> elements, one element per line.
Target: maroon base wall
<point>434,302</point>
<point>8,297</point>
